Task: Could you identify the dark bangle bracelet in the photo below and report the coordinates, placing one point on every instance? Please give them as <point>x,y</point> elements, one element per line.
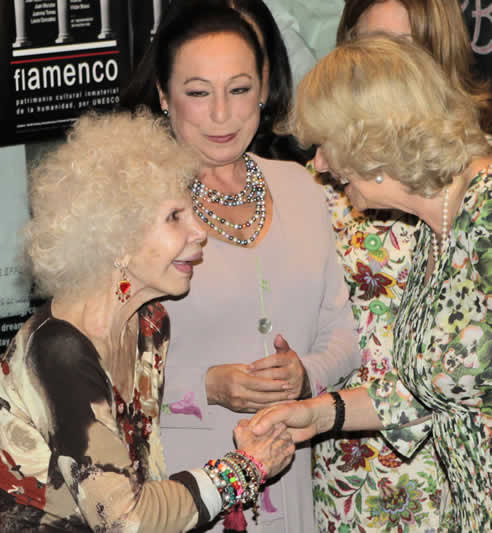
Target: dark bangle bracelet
<point>339,412</point>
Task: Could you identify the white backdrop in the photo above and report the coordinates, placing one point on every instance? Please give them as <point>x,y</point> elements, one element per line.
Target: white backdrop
<point>14,289</point>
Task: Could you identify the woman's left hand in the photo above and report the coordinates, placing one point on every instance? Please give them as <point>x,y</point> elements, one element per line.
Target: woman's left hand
<point>284,365</point>
<point>273,449</point>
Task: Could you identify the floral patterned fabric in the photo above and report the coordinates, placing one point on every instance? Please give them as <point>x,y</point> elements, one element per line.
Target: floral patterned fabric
<point>73,455</point>
<point>443,349</point>
<point>359,482</point>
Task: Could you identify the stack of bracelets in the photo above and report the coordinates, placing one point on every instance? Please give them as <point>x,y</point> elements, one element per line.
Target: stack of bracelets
<point>237,476</point>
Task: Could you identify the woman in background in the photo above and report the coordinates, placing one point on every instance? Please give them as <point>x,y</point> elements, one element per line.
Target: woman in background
<point>437,25</point>
<point>81,386</point>
<point>375,249</point>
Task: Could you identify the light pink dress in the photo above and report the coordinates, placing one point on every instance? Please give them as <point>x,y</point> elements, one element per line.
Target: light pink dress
<point>217,323</point>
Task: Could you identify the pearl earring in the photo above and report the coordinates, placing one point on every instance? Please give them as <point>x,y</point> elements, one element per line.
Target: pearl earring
<point>261,105</point>
<point>379,179</point>
<point>165,112</point>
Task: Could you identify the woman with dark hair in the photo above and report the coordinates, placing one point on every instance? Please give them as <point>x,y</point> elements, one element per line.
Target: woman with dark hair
<point>277,73</point>
<point>270,265</point>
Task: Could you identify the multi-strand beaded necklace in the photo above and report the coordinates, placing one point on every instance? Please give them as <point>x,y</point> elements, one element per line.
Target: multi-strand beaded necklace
<point>254,192</point>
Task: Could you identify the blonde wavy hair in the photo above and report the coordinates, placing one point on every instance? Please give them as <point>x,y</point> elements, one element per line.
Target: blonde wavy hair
<point>93,198</point>
<point>381,103</point>
<point>438,26</point>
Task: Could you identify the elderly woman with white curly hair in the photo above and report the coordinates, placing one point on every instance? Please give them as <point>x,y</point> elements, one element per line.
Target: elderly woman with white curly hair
<point>81,384</point>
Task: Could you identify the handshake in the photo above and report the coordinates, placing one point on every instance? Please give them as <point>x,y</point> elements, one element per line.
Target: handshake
<point>270,436</point>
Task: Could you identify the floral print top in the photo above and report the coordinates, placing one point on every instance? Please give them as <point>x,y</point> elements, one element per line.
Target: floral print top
<point>73,455</point>
<point>443,351</point>
<point>361,484</point>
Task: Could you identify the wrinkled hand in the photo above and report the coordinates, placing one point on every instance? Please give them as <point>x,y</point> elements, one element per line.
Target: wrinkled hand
<point>284,365</point>
<point>274,448</point>
<point>234,386</point>
<point>304,419</point>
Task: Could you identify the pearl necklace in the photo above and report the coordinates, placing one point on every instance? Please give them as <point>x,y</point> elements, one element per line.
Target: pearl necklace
<point>436,249</point>
<point>254,192</point>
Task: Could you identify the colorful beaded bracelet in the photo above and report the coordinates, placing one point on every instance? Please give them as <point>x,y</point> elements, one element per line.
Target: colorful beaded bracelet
<point>237,478</point>
<point>258,465</point>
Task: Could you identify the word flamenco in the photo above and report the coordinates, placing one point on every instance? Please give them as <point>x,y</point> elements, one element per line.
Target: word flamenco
<point>52,76</point>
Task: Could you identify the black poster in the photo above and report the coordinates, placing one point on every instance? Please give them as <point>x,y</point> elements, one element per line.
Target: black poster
<point>478,18</point>
<point>145,18</point>
<point>61,57</point>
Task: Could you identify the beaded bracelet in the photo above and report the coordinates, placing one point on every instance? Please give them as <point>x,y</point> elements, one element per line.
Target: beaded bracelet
<point>339,412</point>
<point>258,465</point>
<point>252,476</point>
<point>246,465</point>
<point>239,474</point>
<point>252,486</point>
<point>225,482</point>
<point>236,479</point>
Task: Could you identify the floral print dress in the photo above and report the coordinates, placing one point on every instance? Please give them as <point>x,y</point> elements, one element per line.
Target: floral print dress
<point>443,350</point>
<point>360,483</point>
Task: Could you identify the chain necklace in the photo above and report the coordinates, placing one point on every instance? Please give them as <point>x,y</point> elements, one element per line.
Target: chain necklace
<point>254,192</point>
<point>436,249</point>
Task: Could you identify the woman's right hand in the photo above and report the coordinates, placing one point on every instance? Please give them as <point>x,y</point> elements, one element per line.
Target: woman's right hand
<point>304,419</point>
<point>274,449</point>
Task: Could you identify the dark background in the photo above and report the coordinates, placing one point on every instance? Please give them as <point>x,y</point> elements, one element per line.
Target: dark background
<point>478,18</point>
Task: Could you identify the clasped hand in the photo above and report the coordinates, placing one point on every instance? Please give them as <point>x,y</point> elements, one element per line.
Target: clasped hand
<point>247,388</point>
<point>274,448</point>
<point>303,419</point>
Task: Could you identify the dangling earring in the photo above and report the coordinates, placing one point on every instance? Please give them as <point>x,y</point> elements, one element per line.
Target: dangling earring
<point>165,112</point>
<point>379,179</point>
<point>261,105</point>
<point>123,287</point>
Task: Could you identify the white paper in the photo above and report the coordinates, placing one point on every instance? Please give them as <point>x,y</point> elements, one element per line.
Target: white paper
<point>14,212</point>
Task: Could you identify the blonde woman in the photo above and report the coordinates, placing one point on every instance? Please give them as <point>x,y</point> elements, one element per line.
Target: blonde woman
<point>397,134</point>
<point>375,249</point>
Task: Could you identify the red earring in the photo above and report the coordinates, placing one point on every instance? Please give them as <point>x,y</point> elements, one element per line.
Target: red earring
<point>123,287</point>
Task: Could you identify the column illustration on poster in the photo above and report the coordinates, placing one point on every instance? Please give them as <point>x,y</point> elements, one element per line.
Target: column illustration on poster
<point>63,23</point>
<point>21,40</point>
<point>145,19</point>
<point>157,15</point>
<point>66,56</point>
<point>106,29</point>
